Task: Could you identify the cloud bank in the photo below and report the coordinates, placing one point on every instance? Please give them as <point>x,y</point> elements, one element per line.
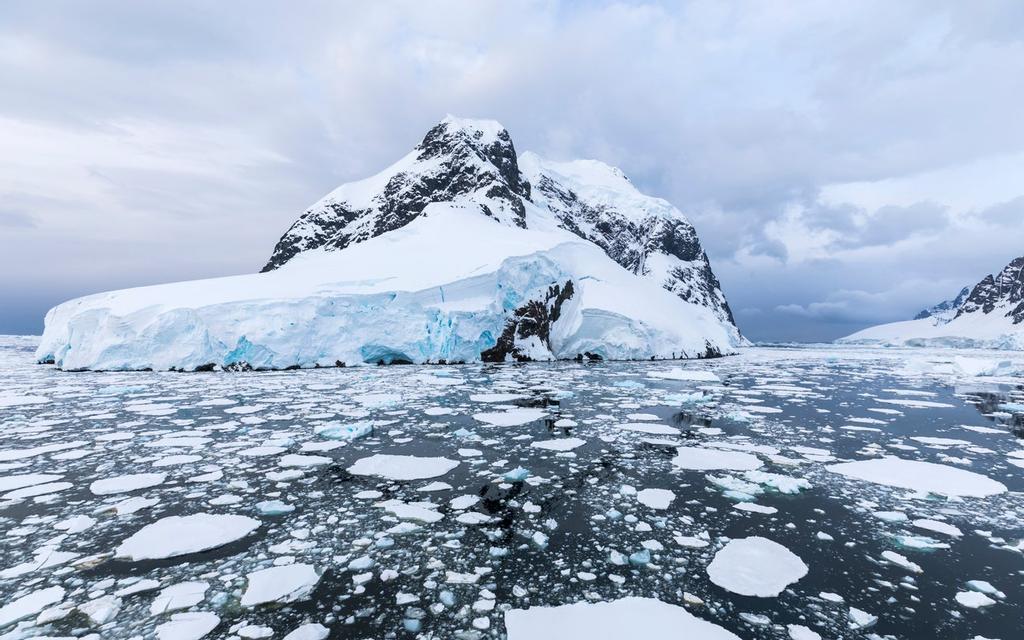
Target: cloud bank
<point>844,164</point>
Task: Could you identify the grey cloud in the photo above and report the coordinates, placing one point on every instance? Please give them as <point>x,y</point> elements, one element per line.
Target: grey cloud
<point>735,113</point>
<point>891,224</point>
<point>16,219</point>
<point>1009,213</point>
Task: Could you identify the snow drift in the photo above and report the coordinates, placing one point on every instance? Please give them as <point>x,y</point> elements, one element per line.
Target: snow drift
<point>443,257</point>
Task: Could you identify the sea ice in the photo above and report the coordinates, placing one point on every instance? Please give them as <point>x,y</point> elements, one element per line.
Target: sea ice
<point>29,605</point>
<point>559,444</point>
<point>755,566</point>
<point>632,617</point>
<point>282,584</point>
<point>653,429</point>
<point>974,599</point>
<point>510,418</point>
<point>655,498</point>
<point>699,459</point>
<point>310,631</point>
<point>187,626</point>
<point>179,596</point>
<point>126,483</point>
<point>677,373</point>
<point>399,467</point>
<point>920,476</point>
<point>179,535</point>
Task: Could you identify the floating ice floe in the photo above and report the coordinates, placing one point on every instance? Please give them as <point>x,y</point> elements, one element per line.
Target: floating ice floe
<point>496,398</point>
<point>700,459</point>
<point>299,461</point>
<point>653,429</point>
<point>310,631</point>
<point>511,418</point>
<point>401,467</point>
<point>753,507</point>
<point>938,527</point>
<point>344,431</point>
<point>179,535</point>
<point>655,498</point>
<point>9,483</point>
<point>632,617</point>
<point>37,490</point>
<point>273,508</point>
<point>901,560</point>
<point>559,444</point>
<point>126,483</point>
<point>973,600</point>
<point>29,605</point>
<point>188,626</point>
<point>287,583</point>
<point>860,619</point>
<point>916,475</point>
<point>416,511</point>
<point>800,632</point>
<point>755,566</point>
<point>678,373</point>
<point>179,596</point>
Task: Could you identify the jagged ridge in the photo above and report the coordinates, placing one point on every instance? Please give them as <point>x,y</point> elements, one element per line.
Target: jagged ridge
<point>474,163</point>
<point>456,162</point>
<point>1004,290</point>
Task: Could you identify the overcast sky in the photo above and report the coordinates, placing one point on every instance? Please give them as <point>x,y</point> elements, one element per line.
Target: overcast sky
<point>845,164</point>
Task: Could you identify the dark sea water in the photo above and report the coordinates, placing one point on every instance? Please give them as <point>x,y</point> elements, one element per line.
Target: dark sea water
<point>551,527</point>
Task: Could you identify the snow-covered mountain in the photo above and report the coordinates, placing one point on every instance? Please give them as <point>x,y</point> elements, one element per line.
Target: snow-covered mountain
<point>989,315</point>
<point>945,310</point>
<point>460,251</point>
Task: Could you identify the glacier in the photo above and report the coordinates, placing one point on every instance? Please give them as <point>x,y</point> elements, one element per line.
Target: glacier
<point>462,251</point>
<point>376,302</point>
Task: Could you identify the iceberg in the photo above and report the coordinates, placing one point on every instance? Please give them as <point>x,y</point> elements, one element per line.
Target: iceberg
<point>444,257</point>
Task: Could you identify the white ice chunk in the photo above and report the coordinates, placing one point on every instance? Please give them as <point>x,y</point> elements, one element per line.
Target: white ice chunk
<point>755,566</point>
<point>397,467</point>
<point>655,498</point>
<point>126,483</point>
<point>179,535</point>
<point>559,444</point>
<point>179,596</point>
<point>188,626</point>
<point>29,605</point>
<point>286,583</point>
<point>510,418</point>
<point>645,618</point>
<point>699,459</point>
<point>921,476</point>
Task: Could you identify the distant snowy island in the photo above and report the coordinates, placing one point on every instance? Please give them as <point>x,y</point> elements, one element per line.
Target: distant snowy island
<point>461,251</point>
<point>988,316</point>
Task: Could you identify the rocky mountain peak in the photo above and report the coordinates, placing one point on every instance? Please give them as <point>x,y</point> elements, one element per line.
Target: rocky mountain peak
<point>995,293</point>
<point>473,164</point>
<point>945,310</point>
<point>463,161</point>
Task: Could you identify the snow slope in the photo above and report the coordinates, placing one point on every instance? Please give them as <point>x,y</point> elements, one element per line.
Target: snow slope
<point>451,254</point>
<point>991,317</point>
<point>375,301</point>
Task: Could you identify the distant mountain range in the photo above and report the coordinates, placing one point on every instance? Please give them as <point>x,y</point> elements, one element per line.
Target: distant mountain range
<point>989,315</point>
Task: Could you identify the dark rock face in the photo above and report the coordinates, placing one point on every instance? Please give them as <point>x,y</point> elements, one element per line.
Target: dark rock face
<point>476,164</point>
<point>532,319</point>
<point>453,163</point>
<point>1005,288</point>
<point>630,243</point>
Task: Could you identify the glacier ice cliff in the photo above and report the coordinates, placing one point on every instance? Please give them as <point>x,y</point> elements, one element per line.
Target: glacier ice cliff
<point>461,251</point>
